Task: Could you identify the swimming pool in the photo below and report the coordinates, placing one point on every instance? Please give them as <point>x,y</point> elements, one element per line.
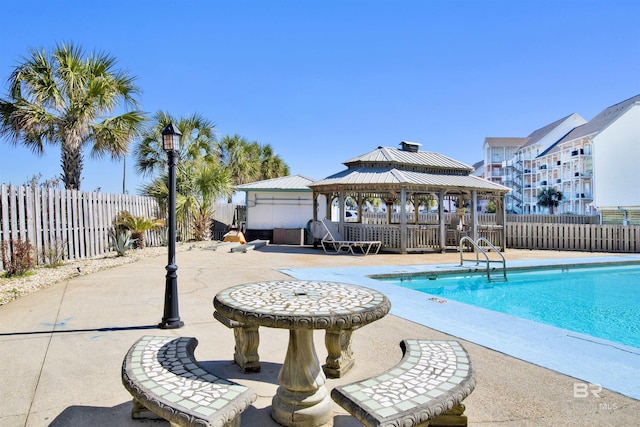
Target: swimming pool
<point>603,302</point>
<point>582,356</point>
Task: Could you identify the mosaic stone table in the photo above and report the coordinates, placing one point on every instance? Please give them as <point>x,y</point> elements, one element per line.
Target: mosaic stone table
<point>301,306</point>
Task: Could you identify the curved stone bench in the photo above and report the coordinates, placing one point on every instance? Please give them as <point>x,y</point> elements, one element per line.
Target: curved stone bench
<point>425,389</point>
<point>163,377</point>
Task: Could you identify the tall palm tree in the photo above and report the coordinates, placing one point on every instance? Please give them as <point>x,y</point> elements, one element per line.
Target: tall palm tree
<point>271,165</point>
<point>66,98</point>
<point>550,198</point>
<point>198,142</point>
<point>241,158</point>
<point>200,179</point>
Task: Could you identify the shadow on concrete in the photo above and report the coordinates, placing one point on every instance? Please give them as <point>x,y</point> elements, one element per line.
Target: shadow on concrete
<point>258,417</point>
<point>119,415</point>
<point>292,249</point>
<point>228,369</point>
<point>66,331</point>
<point>345,421</point>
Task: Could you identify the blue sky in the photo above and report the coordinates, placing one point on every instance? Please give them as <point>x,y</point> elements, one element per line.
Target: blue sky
<point>325,81</point>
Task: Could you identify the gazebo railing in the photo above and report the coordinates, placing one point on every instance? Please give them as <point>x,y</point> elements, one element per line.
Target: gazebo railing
<point>419,237</point>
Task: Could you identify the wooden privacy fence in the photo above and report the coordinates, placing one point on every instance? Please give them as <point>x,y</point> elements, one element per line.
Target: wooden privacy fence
<point>574,237</point>
<point>556,219</point>
<point>70,224</point>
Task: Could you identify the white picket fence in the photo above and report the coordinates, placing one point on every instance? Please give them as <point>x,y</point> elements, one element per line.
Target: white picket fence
<point>73,224</point>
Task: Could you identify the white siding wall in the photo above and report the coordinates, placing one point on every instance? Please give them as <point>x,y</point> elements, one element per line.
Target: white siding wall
<point>267,210</point>
<point>616,154</point>
<point>561,130</point>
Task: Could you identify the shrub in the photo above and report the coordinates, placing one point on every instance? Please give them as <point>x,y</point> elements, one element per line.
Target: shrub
<point>122,241</point>
<point>17,257</point>
<point>137,225</point>
<point>54,254</point>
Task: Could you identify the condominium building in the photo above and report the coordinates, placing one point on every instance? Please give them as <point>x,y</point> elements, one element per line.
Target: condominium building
<point>593,164</point>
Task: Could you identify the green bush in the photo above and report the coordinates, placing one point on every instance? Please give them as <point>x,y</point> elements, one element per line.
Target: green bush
<point>137,226</point>
<point>122,241</point>
<point>54,254</point>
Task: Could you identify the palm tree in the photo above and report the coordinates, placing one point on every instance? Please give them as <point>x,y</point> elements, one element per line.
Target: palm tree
<point>200,179</point>
<point>198,142</point>
<point>65,98</point>
<point>549,197</point>
<point>198,186</point>
<point>249,161</point>
<point>136,226</point>
<point>241,158</point>
<point>208,182</point>
<point>271,165</point>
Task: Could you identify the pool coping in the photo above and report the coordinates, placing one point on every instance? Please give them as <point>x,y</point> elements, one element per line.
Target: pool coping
<point>597,361</point>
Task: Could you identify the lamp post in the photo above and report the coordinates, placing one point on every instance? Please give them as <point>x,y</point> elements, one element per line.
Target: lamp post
<point>171,318</point>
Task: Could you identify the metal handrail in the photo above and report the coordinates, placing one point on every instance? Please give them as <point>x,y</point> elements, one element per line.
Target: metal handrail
<point>478,249</point>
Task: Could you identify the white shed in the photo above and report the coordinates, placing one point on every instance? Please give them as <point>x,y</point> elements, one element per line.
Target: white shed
<point>278,209</point>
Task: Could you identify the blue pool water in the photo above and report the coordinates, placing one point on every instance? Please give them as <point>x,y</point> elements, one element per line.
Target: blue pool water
<point>603,302</point>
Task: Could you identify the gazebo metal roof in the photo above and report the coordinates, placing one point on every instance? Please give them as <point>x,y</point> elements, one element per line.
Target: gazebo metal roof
<point>389,169</point>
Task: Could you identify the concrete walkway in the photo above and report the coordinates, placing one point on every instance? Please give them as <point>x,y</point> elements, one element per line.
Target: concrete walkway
<point>62,347</point>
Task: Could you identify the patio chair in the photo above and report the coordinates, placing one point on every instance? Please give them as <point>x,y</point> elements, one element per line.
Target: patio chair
<point>333,243</point>
<point>455,231</point>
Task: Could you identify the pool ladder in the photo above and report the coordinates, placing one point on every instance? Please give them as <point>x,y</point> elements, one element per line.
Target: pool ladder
<point>478,250</point>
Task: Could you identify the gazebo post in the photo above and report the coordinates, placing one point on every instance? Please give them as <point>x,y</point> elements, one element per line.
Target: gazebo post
<point>341,211</point>
<point>329,202</point>
<point>403,220</point>
<point>502,220</point>
<point>474,215</point>
<point>443,231</point>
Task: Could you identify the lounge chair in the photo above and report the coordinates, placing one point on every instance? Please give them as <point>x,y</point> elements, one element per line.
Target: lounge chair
<point>333,243</point>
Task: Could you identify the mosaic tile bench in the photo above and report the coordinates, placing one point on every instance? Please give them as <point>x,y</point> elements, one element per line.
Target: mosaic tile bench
<point>425,389</point>
<point>166,381</point>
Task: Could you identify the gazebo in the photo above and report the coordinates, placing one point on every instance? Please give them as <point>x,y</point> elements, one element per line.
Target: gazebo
<point>404,178</point>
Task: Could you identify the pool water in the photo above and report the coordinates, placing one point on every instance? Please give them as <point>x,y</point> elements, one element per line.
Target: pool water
<point>603,302</point>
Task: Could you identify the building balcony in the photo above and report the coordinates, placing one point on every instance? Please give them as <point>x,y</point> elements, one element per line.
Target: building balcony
<point>584,196</point>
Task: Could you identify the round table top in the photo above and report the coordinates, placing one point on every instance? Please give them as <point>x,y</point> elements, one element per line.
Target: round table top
<point>298,304</point>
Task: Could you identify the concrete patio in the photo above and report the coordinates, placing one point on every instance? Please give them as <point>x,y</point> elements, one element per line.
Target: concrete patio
<point>62,347</point>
